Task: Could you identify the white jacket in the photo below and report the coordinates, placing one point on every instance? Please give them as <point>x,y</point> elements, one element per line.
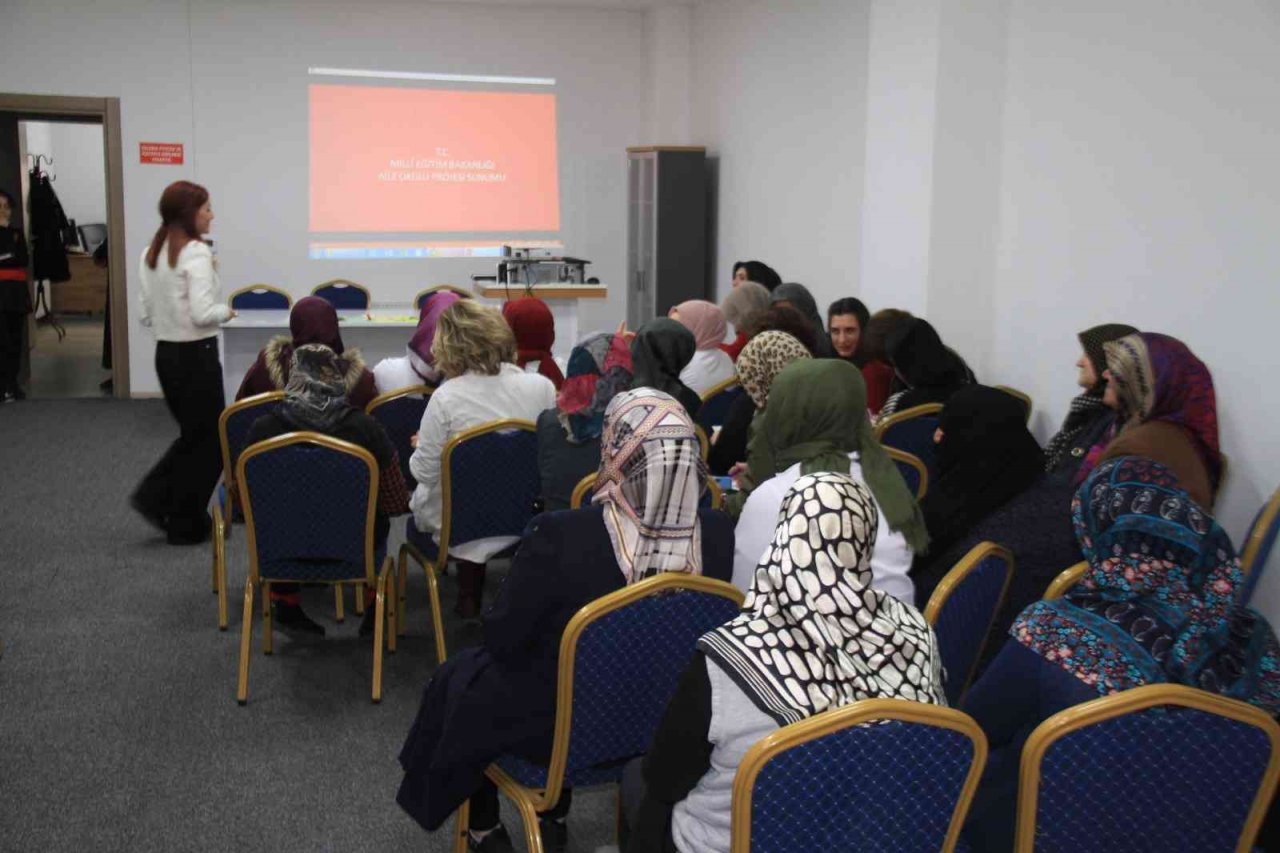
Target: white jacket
<point>183,302</point>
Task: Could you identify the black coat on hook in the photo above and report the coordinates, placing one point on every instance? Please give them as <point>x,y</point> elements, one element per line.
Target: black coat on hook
<point>48,254</point>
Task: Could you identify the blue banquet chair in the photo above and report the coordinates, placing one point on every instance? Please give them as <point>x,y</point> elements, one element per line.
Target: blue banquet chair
<point>716,403</point>
<point>712,496</point>
<point>962,609</point>
<point>343,295</point>
<point>911,431</point>
<point>913,471</point>
<point>1258,543</point>
<point>400,413</point>
<point>260,297</point>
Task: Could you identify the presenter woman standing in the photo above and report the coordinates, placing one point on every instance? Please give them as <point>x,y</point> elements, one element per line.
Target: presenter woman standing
<point>182,303</point>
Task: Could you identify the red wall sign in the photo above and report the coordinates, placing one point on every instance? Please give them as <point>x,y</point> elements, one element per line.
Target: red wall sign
<point>162,153</point>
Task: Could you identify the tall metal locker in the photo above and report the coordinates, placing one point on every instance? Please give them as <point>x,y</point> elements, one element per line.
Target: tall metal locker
<point>666,229</point>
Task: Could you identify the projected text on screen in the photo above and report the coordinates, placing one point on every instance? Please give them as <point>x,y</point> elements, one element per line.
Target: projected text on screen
<point>401,161</point>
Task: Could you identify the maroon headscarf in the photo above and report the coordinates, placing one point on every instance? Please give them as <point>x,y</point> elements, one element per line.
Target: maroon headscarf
<point>432,307</point>
<point>314,321</point>
<point>535,330</point>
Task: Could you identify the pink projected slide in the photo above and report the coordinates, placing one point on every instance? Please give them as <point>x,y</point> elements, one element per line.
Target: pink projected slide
<point>414,160</point>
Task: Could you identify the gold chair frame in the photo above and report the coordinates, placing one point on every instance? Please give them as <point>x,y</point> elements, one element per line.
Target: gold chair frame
<point>1258,532</point>
<point>1021,395</point>
<point>704,446</point>
<point>385,605</point>
<point>584,485</point>
<point>1065,580</point>
<point>344,281</point>
<point>720,387</point>
<point>395,394</point>
<point>530,801</point>
<point>432,568</point>
<point>437,288</point>
<point>260,286</point>
<point>914,461</point>
<point>905,415</point>
<point>1126,702</point>
<point>953,579</point>
<point>859,713</point>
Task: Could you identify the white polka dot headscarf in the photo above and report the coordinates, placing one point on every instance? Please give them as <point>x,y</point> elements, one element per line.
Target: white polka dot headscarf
<point>813,634</point>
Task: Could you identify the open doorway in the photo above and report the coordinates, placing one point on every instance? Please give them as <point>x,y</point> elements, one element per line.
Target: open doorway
<point>80,320</point>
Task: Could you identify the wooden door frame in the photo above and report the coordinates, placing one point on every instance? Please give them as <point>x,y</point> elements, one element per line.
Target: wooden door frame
<point>105,111</point>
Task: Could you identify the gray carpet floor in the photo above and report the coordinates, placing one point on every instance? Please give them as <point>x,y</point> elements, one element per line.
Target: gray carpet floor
<point>119,729</point>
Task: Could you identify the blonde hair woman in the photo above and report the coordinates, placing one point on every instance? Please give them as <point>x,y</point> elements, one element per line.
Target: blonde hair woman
<point>475,350</point>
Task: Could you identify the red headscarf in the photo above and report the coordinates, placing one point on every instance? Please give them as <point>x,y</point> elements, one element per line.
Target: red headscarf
<point>535,330</point>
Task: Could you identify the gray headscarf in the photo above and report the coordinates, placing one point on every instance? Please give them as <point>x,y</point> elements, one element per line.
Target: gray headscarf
<point>316,393</point>
<point>799,297</point>
<point>743,302</point>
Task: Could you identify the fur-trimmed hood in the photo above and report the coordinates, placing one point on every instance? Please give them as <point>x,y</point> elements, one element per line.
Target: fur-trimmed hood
<point>278,355</point>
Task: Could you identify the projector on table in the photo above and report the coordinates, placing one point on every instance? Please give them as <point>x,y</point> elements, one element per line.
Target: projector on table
<point>527,269</point>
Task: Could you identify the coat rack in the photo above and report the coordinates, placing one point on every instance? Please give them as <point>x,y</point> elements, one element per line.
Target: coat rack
<point>42,301</point>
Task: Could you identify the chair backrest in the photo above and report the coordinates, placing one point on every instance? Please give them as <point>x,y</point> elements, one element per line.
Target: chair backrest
<point>881,774</point>
<point>962,609</point>
<point>1023,397</point>
<point>260,297</point>
<point>400,413</point>
<point>234,424</point>
<point>621,657</point>
<point>716,403</point>
<point>713,497</point>
<point>343,294</point>
<point>452,288</point>
<point>92,236</point>
<point>912,470</point>
<point>309,503</point>
<point>1161,767</point>
<point>1065,580</point>
<point>489,479</point>
<point>911,430</point>
<point>1258,543</point>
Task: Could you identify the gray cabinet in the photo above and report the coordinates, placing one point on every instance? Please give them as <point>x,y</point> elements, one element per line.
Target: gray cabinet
<point>666,229</point>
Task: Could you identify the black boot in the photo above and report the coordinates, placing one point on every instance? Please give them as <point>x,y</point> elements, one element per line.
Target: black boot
<point>470,589</point>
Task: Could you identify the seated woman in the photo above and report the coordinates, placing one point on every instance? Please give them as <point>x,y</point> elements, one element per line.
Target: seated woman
<point>710,365</point>
<point>847,320</point>
<point>1158,605</point>
<point>535,329</point>
<point>1089,416</point>
<point>1166,411</point>
<point>816,421</point>
<point>985,457</point>
<point>312,321</point>
<point>569,434</point>
<point>500,698</point>
<point>475,350</point>
<point>757,271</point>
<point>315,401</point>
<point>417,365</point>
<point>742,307</point>
<point>660,350</point>
<point>930,370</point>
<point>797,297</point>
<point>679,797</point>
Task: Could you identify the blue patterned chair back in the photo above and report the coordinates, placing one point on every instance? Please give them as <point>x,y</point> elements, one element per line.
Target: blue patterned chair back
<point>260,298</point>
<point>913,471</point>
<point>715,406</point>
<point>912,431</point>
<point>962,609</point>
<point>400,413</point>
<point>1136,772</point>
<point>838,782</point>
<point>343,295</point>
<point>237,419</point>
<point>490,480</point>
<point>309,503</point>
<point>1258,543</point>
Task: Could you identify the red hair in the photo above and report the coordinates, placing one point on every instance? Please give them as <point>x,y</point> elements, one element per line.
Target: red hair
<point>179,204</point>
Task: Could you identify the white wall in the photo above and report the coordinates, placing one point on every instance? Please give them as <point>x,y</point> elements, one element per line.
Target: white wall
<point>779,100</point>
<point>228,79</point>
<point>79,168</point>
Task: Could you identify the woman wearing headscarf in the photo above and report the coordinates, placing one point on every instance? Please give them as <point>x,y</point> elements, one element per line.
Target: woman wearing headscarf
<point>499,698</point>
<point>710,365</point>
<point>757,271</point>
<point>985,457</point>
<point>847,323</point>
<point>660,350</point>
<point>417,366</point>
<point>810,593</point>
<point>816,421</point>
<point>311,321</point>
<point>1157,605</point>
<point>475,350</point>
<point>1088,417</point>
<point>742,307</point>
<point>930,370</point>
<point>1166,411</point>
<point>535,329</point>
<point>569,434</point>
<point>762,359</point>
<point>797,296</point>
<point>315,401</point>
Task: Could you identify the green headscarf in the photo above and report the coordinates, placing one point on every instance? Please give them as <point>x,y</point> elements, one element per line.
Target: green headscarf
<point>817,416</point>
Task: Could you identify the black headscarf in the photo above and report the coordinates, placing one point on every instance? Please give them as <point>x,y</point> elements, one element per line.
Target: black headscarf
<point>986,457</point>
<point>661,349</point>
<point>799,297</point>
<point>932,370</point>
<point>1087,410</point>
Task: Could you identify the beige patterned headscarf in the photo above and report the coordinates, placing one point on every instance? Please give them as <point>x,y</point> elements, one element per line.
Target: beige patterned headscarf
<point>763,358</point>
